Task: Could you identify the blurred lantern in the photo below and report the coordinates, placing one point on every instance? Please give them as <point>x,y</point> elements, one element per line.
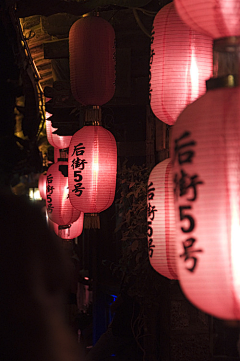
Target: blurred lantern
<point>57,141</point>
<point>161,220</point>
<point>215,18</point>
<point>92,168</point>
<point>180,63</point>
<point>59,207</point>
<point>42,185</point>
<point>206,174</point>
<point>70,231</point>
<point>92,60</point>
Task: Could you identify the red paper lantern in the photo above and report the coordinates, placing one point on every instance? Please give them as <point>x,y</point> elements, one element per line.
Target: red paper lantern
<point>161,220</point>
<point>180,63</point>
<point>215,18</point>
<point>92,169</point>
<point>92,60</point>
<point>70,231</point>
<point>59,207</point>
<point>206,174</point>
<point>42,185</point>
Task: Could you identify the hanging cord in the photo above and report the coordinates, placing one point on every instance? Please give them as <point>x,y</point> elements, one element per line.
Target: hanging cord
<point>147,12</point>
<point>140,24</point>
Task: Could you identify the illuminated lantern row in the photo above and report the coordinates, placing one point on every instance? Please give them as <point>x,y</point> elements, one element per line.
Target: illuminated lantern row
<point>70,231</point>
<point>92,60</point>
<point>161,220</point>
<point>57,141</point>
<point>59,207</point>
<point>206,172</point>
<point>180,63</point>
<point>92,168</point>
<point>215,18</point>
<point>42,185</point>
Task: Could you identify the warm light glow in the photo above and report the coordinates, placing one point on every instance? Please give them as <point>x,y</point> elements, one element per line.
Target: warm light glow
<point>194,76</point>
<point>95,165</point>
<point>34,194</point>
<point>66,192</point>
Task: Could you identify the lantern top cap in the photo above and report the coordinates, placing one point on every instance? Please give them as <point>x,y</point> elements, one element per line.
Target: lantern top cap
<point>93,116</point>
<point>228,81</point>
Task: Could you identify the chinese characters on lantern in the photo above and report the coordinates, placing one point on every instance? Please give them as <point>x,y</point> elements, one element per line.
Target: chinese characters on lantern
<point>186,185</point>
<point>49,189</point>
<point>150,213</point>
<point>78,165</point>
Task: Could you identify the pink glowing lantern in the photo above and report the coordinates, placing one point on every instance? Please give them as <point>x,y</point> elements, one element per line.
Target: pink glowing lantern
<point>92,60</point>
<point>161,220</point>
<point>206,162</point>
<point>180,63</point>
<point>215,18</point>
<point>59,207</point>
<point>70,231</point>
<point>92,169</point>
<point>42,185</point>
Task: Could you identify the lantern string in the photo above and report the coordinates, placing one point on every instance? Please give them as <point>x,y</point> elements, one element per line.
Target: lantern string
<point>140,24</point>
<point>147,12</point>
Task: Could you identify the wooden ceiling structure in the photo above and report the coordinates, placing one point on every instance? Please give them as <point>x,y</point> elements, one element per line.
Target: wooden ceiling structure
<point>35,36</point>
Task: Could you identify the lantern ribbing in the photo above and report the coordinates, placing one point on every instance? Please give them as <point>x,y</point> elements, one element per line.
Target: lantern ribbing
<point>180,63</point>
<point>59,207</point>
<point>92,60</point>
<point>92,169</point>
<point>206,172</point>
<point>70,231</point>
<point>161,220</point>
<point>215,18</point>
